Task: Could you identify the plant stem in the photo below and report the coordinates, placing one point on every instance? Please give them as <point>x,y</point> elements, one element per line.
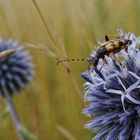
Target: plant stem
<point>57,45</point>
<point>15,117</point>
<point>45,23</point>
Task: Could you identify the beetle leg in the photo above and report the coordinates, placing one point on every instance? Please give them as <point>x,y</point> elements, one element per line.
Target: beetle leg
<point>106,38</point>
<point>126,49</point>
<point>104,62</point>
<point>117,63</point>
<point>99,73</point>
<point>118,60</point>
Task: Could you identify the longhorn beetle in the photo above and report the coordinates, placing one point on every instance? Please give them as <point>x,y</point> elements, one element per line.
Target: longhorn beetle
<point>109,48</point>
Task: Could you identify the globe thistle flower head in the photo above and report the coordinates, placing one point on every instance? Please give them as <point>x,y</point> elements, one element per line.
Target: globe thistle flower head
<point>16,70</point>
<point>114,103</point>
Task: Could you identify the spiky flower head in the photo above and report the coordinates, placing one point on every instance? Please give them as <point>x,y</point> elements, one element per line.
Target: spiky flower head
<point>114,103</point>
<point>15,70</point>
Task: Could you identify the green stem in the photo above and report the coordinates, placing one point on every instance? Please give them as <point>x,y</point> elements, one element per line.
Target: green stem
<point>45,23</point>
<point>15,117</point>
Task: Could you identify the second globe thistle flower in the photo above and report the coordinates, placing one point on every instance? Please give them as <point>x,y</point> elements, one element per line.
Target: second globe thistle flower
<point>114,103</point>
<point>15,70</point>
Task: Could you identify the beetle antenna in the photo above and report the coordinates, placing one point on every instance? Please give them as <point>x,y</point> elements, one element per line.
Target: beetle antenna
<point>73,59</point>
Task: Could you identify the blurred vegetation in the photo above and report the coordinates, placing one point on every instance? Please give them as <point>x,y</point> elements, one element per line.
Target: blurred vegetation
<point>51,107</point>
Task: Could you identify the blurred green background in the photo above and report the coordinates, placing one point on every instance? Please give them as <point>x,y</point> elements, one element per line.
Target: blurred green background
<point>51,106</point>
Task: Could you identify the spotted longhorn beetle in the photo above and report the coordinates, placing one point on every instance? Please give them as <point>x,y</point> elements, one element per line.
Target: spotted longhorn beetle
<point>109,48</point>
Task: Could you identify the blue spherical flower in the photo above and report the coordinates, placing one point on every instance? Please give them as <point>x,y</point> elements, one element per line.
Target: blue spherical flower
<point>114,103</point>
<point>15,70</point>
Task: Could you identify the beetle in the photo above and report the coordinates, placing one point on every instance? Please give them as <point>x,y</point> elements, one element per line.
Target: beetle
<point>109,48</point>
